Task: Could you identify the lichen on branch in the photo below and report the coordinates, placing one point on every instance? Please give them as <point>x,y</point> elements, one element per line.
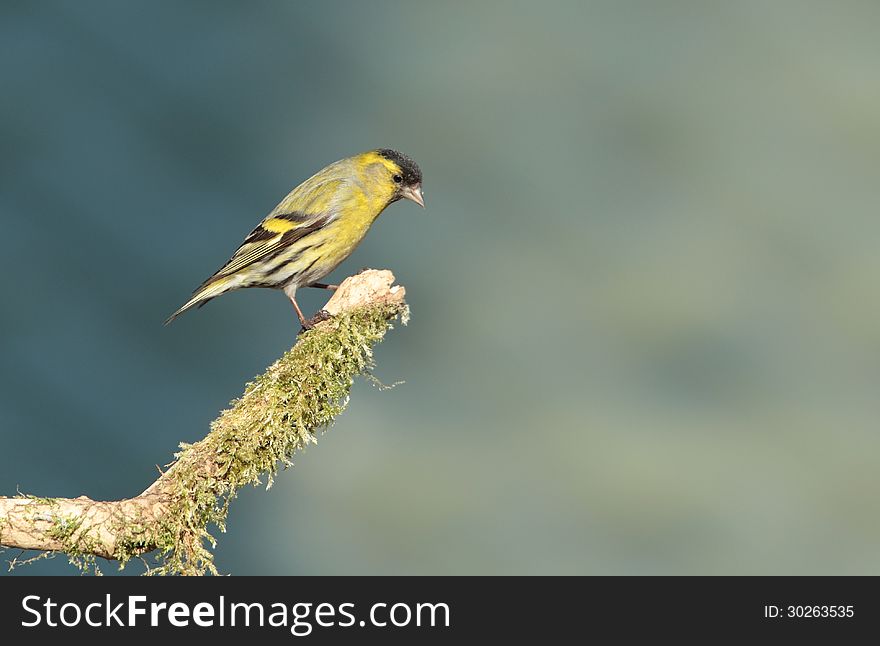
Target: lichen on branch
<point>280,411</point>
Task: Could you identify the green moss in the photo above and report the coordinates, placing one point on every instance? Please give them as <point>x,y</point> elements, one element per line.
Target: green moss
<point>280,411</point>
<point>78,545</point>
<point>40,499</point>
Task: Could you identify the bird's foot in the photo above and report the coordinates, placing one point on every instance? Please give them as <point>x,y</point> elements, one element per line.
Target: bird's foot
<point>322,315</point>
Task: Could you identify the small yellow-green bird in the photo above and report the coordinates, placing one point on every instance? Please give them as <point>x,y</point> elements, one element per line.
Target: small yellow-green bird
<point>315,227</point>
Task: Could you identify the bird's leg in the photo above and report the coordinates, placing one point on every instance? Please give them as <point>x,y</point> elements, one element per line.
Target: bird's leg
<point>290,291</point>
<point>302,319</point>
<point>324,286</point>
<point>307,324</point>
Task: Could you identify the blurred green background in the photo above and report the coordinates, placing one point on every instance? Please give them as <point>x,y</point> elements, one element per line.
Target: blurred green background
<point>646,326</point>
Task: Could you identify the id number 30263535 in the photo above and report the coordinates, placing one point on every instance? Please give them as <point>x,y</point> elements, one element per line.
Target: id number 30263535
<point>808,612</point>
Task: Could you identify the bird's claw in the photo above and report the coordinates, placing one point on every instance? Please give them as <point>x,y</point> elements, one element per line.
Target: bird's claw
<point>321,315</point>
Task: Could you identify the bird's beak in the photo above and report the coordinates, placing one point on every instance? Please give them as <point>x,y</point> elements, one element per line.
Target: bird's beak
<point>413,193</point>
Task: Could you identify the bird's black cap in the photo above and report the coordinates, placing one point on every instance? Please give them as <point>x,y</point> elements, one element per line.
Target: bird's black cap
<point>410,170</point>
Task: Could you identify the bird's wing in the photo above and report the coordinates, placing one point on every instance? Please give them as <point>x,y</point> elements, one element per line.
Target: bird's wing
<point>272,234</point>
<point>308,207</point>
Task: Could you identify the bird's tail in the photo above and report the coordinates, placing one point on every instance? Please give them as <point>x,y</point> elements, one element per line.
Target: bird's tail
<point>210,289</point>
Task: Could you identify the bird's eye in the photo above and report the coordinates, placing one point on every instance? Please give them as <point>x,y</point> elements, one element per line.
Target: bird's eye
<point>397,179</point>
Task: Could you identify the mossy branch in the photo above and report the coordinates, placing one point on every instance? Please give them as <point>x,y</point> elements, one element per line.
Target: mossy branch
<point>279,412</point>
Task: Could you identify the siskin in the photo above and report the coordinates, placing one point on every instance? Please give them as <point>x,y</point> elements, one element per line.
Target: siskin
<point>315,227</point>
